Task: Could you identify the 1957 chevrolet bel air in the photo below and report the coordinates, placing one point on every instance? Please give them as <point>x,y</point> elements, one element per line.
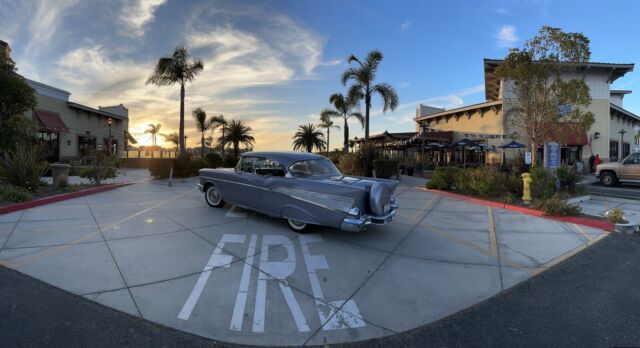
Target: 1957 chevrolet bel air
<point>303,188</point>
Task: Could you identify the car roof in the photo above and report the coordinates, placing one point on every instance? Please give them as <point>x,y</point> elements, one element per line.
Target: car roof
<point>285,158</point>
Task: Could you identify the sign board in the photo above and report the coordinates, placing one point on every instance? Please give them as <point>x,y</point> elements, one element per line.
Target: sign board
<point>527,157</point>
<point>553,150</point>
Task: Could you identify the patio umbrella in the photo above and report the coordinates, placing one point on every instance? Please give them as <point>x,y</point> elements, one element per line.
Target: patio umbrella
<point>465,143</point>
<point>512,145</point>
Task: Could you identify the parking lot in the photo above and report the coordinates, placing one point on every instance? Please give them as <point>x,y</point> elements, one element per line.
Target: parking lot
<point>161,253</point>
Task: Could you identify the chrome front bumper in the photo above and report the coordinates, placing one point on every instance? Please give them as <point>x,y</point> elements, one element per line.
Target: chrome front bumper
<point>356,224</point>
<point>200,187</point>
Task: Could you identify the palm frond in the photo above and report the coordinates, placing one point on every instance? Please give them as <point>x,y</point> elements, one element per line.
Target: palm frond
<point>389,96</point>
<point>358,116</point>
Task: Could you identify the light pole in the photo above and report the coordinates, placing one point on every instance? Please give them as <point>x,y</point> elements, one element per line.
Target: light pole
<point>424,130</point>
<point>110,121</point>
<point>622,133</point>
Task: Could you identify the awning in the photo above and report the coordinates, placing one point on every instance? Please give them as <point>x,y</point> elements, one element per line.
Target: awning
<point>131,139</point>
<point>51,121</point>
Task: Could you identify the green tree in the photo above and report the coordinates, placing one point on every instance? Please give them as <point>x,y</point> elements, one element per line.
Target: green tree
<point>153,129</point>
<point>344,109</point>
<point>179,68</point>
<point>203,124</point>
<point>543,96</point>
<point>219,121</point>
<point>172,138</point>
<point>364,87</point>
<point>307,137</point>
<point>16,98</point>
<point>237,132</point>
<point>326,123</point>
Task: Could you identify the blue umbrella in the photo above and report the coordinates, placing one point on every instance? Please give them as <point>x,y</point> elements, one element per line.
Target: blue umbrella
<point>512,145</point>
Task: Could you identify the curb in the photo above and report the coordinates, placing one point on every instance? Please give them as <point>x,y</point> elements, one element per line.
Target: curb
<point>58,198</point>
<point>603,225</point>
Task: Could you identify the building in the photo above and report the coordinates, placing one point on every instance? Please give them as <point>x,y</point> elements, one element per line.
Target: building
<point>75,131</point>
<point>484,123</point>
<point>5,51</point>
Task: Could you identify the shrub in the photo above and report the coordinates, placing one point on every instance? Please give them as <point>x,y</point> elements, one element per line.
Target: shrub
<point>616,216</point>
<point>23,166</point>
<point>335,156</point>
<point>197,164</point>
<point>160,168</point>
<point>229,161</point>
<point>444,178</point>
<point>351,164</point>
<point>544,183</point>
<point>386,168</point>
<point>183,166</point>
<point>105,167</point>
<point>555,206</point>
<point>9,193</point>
<point>569,178</point>
<point>213,160</point>
<point>485,182</point>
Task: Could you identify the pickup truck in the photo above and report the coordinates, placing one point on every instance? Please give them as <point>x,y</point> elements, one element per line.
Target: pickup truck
<point>627,170</point>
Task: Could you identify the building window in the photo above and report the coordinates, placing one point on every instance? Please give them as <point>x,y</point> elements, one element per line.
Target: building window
<point>626,150</point>
<point>51,142</point>
<point>613,150</point>
<point>86,146</point>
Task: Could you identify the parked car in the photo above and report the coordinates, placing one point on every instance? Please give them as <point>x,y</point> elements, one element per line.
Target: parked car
<point>627,170</point>
<point>303,188</point>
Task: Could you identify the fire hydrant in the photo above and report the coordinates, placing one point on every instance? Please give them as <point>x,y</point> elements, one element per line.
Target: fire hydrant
<point>526,188</point>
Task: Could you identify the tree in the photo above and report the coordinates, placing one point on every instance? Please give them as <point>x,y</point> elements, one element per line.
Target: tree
<point>172,138</point>
<point>326,123</point>
<point>543,97</point>
<point>364,87</point>
<point>237,132</point>
<point>219,121</point>
<point>179,68</point>
<point>203,124</point>
<point>153,129</point>
<point>307,137</point>
<point>344,109</point>
<point>352,143</point>
<point>16,98</point>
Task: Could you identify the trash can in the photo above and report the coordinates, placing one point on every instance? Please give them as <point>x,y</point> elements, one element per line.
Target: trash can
<point>60,174</point>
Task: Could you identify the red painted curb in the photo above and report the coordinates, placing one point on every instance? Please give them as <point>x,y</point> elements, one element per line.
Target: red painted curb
<point>58,198</point>
<point>603,225</point>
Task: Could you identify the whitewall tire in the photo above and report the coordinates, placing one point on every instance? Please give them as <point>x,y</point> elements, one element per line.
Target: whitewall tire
<point>213,197</point>
<point>297,226</point>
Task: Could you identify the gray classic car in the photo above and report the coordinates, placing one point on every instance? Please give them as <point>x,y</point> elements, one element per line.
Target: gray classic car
<point>302,188</point>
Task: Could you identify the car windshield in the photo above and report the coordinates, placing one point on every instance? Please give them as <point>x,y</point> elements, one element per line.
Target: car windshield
<point>313,167</point>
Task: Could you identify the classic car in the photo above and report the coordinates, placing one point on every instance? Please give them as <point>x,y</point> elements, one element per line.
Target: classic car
<point>303,188</point>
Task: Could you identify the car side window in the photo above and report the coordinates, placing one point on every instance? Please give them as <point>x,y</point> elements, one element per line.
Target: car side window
<point>269,167</point>
<point>635,159</point>
<point>249,164</point>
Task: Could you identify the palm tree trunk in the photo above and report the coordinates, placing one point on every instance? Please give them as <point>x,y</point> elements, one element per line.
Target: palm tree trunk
<point>202,145</point>
<point>181,131</point>
<point>346,137</point>
<point>328,140</point>
<point>222,138</point>
<point>236,149</point>
<point>367,105</point>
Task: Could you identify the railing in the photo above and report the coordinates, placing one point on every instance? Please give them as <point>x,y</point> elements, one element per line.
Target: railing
<point>148,154</point>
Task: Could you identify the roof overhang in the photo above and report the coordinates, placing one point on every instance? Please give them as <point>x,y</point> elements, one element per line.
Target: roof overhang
<point>94,111</point>
<point>615,109</point>
<point>492,82</point>
<point>464,109</point>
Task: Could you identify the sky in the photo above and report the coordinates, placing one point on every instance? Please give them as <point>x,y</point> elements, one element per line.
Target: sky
<point>274,64</point>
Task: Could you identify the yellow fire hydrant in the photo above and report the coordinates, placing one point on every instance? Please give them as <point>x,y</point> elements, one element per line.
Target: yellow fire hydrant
<point>526,188</point>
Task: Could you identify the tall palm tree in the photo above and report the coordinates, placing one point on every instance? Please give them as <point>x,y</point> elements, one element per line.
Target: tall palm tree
<point>153,129</point>
<point>217,121</point>
<point>307,137</point>
<point>179,68</point>
<point>237,132</point>
<point>326,123</point>
<point>203,124</point>
<point>344,108</point>
<point>172,138</point>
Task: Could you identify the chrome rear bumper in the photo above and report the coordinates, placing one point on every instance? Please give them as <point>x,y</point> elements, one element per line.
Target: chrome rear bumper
<point>356,224</point>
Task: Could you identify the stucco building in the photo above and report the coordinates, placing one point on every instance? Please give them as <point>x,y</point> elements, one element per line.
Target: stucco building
<point>484,122</point>
<point>75,131</point>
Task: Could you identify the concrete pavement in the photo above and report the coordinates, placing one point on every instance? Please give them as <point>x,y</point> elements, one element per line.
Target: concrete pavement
<point>160,253</point>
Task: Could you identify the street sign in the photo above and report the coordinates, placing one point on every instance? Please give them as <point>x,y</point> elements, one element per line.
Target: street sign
<point>554,155</point>
<point>527,157</point>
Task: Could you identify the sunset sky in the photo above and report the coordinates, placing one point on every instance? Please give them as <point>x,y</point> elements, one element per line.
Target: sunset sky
<point>275,63</point>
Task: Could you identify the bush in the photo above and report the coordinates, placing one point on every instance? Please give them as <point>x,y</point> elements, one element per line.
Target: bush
<point>213,160</point>
<point>183,167</point>
<point>351,164</point>
<point>487,182</point>
<point>14,194</point>
<point>444,178</point>
<point>106,167</point>
<point>555,206</point>
<point>197,164</point>
<point>160,168</point>
<point>544,183</point>
<point>386,168</point>
<point>23,166</point>
<point>616,216</point>
<point>229,161</point>
<point>569,178</point>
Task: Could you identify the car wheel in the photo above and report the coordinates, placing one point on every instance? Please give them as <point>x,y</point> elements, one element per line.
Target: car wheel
<point>213,197</point>
<point>298,226</point>
<point>608,179</point>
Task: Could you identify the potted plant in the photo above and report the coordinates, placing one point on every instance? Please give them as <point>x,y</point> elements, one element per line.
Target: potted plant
<point>616,215</point>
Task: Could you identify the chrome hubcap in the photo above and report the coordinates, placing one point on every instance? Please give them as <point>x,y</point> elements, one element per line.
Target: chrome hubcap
<point>213,196</point>
<point>297,224</point>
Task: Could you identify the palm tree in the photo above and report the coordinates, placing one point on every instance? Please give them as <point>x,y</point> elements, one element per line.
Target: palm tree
<point>208,142</point>
<point>178,68</point>
<point>307,137</point>
<point>343,109</point>
<point>203,124</point>
<point>352,144</point>
<point>217,121</point>
<point>236,133</point>
<point>172,138</point>
<point>326,123</point>
<point>153,129</point>
<point>363,87</point>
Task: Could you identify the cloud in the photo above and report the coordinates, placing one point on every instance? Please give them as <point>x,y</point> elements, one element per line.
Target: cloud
<point>501,11</point>
<point>136,15</point>
<point>406,25</point>
<point>506,36</point>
